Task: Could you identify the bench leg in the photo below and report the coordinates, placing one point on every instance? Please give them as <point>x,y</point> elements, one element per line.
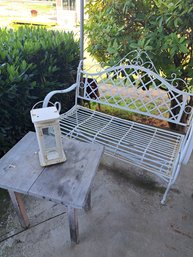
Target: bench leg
<point>165,194</point>
<point>171,182</point>
<point>73,224</point>
<point>19,208</point>
<point>88,202</point>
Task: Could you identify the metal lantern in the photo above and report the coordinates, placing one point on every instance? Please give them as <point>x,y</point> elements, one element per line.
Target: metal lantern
<point>46,122</point>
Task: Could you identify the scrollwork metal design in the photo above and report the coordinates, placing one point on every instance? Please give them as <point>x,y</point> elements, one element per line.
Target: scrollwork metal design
<point>188,109</point>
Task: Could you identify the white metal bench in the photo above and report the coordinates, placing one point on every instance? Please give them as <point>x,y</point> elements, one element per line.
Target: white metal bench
<point>133,85</point>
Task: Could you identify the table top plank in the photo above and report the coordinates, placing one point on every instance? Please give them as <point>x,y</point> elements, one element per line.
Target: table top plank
<point>20,167</point>
<point>69,182</point>
<point>94,155</point>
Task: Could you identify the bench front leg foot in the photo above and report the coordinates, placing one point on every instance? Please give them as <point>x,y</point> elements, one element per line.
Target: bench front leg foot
<point>19,208</point>
<point>73,225</point>
<point>163,201</point>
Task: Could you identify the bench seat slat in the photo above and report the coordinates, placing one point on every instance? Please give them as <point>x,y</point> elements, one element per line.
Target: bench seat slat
<point>150,148</point>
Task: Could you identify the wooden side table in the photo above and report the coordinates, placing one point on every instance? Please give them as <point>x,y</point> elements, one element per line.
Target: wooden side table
<point>68,183</point>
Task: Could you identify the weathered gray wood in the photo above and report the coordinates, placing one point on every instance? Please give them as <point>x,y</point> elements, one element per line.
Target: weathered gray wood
<point>20,167</point>
<point>73,225</point>
<point>94,155</point>
<point>69,182</point>
<point>19,208</point>
<point>87,206</point>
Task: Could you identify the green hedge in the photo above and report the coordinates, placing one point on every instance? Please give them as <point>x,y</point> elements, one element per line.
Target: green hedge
<point>33,61</point>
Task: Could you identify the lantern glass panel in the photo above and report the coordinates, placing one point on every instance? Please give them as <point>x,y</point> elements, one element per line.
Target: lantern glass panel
<point>50,147</point>
<point>49,138</point>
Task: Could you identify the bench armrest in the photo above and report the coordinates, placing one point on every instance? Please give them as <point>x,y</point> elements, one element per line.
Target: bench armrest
<point>52,93</point>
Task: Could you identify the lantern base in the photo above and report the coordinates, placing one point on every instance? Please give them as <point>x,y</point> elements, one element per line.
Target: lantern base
<point>51,158</point>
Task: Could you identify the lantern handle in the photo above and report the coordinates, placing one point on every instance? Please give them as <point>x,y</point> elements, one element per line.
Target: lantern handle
<point>56,104</point>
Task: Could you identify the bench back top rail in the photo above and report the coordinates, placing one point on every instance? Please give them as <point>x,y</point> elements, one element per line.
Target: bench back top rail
<point>136,86</point>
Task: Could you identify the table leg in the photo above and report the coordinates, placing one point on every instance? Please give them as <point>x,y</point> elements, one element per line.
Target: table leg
<point>88,202</point>
<point>19,208</point>
<point>73,224</point>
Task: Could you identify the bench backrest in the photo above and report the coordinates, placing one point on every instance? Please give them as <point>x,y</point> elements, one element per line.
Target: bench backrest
<point>136,86</point>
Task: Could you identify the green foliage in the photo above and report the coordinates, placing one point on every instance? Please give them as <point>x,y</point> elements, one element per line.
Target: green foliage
<point>163,28</point>
<point>33,61</point>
